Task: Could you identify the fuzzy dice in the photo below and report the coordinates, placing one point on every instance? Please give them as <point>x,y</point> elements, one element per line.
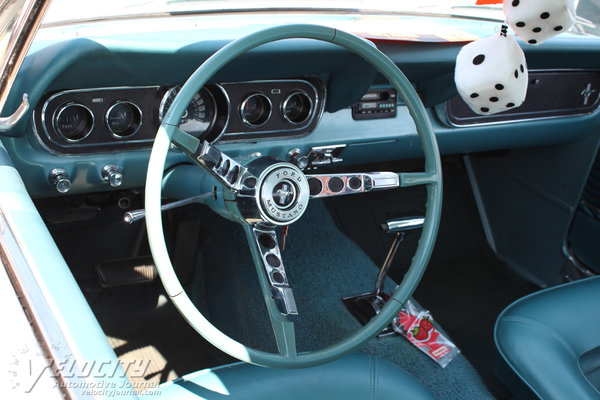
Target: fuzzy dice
<point>534,21</point>
<point>491,74</point>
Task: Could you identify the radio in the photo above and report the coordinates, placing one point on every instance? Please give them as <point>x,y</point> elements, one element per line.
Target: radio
<point>375,104</point>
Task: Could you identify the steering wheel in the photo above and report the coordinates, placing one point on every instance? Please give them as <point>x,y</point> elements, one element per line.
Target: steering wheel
<point>266,193</point>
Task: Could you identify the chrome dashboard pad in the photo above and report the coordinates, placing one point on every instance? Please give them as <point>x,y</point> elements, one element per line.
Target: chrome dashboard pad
<point>126,118</point>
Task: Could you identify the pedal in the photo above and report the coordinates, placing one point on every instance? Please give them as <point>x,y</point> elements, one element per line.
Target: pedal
<point>128,271</point>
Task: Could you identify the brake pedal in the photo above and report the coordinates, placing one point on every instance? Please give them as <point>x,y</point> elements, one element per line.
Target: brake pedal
<point>126,271</point>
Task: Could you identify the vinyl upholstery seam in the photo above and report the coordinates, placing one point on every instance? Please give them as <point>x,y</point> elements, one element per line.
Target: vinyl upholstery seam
<point>541,327</point>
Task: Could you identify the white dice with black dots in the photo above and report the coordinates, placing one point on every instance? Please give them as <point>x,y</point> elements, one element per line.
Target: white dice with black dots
<point>535,21</point>
<point>491,74</point>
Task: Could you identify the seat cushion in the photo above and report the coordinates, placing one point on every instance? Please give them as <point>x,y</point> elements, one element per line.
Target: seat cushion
<point>551,339</point>
<point>356,376</point>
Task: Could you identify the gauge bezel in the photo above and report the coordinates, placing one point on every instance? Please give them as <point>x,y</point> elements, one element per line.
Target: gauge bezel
<point>213,100</point>
<point>277,90</point>
<point>137,129</point>
<point>64,107</point>
<point>243,105</point>
<point>310,108</point>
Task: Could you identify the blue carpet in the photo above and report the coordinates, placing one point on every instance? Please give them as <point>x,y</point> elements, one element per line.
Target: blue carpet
<point>323,266</point>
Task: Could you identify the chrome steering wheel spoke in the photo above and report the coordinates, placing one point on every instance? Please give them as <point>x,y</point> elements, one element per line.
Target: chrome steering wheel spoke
<point>277,293</point>
<point>228,172</point>
<point>272,263</point>
<point>328,185</point>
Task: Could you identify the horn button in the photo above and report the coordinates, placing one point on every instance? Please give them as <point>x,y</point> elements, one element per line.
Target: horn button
<point>284,194</point>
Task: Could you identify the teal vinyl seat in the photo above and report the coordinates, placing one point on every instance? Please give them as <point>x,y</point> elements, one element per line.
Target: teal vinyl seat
<point>551,340</point>
<point>356,376</point>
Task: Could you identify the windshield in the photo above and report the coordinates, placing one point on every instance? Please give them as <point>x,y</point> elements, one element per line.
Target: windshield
<point>70,11</point>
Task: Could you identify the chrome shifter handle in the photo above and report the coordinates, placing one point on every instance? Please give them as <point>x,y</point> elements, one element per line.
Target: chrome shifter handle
<point>402,224</point>
<point>399,226</point>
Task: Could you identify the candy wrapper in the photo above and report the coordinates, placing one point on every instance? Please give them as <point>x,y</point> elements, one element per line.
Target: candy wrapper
<point>416,324</point>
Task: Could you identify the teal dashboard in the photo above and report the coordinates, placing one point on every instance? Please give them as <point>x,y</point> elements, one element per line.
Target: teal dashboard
<point>98,92</point>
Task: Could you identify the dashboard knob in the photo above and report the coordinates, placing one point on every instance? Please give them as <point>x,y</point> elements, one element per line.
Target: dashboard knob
<point>59,178</point>
<point>112,174</point>
<point>301,161</point>
<point>298,159</point>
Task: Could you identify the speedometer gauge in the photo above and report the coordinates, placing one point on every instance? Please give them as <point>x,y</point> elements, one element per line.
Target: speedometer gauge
<point>199,115</point>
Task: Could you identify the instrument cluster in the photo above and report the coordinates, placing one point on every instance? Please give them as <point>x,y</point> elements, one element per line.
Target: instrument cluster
<point>103,119</point>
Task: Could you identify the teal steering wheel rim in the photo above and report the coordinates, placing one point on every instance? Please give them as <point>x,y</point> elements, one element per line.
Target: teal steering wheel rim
<point>433,181</point>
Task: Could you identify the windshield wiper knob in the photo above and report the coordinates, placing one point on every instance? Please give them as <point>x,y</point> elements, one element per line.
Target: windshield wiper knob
<point>112,174</point>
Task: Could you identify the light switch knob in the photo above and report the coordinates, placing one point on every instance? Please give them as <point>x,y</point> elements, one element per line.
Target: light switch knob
<point>59,178</point>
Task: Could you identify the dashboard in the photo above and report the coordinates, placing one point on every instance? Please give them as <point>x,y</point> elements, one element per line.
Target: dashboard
<point>97,101</point>
<point>123,118</point>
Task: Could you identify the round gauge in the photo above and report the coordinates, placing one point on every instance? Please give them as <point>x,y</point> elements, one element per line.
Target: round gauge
<point>123,119</point>
<point>296,108</point>
<point>198,117</point>
<point>255,110</point>
<point>74,122</point>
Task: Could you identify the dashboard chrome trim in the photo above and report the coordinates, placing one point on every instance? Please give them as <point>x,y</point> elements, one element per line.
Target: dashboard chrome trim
<point>62,108</point>
<point>116,103</point>
<point>243,105</point>
<point>228,114</point>
<point>512,121</point>
<point>315,116</point>
<point>287,99</point>
<point>61,146</point>
<point>515,121</point>
<point>44,121</point>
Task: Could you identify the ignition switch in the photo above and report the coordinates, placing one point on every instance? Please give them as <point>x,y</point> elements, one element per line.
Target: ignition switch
<point>297,158</point>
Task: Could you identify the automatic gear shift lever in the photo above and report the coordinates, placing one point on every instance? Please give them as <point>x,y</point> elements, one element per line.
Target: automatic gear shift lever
<point>398,226</point>
<point>365,306</point>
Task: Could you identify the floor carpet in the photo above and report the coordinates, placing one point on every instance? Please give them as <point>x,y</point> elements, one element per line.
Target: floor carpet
<point>323,266</point>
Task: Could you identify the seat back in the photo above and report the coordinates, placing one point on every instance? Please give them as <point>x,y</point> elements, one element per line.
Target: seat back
<point>551,340</point>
